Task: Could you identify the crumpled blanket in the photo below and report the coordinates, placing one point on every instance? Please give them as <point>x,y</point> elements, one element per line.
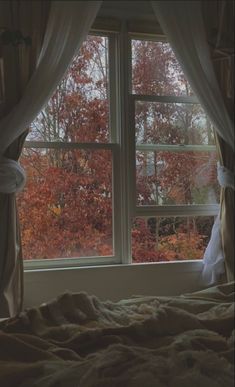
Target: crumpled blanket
<point>78,340</point>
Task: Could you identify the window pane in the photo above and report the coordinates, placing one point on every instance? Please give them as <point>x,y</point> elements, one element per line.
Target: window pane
<point>174,178</point>
<point>66,208</point>
<point>172,123</point>
<point>170,239</point>
<point>155,70</point>
<point>78,111</point>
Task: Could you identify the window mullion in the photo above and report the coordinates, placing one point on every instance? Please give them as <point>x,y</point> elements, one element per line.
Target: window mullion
<point>113,87</point>
<point>175,148</point>
<point>67,145</point>
<point>165,98</point>
<point>178,210</point>
<point>127,159</point>
<point>114,124</point>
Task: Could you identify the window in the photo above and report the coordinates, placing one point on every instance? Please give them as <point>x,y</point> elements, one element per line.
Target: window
<point>176,188</point>
<point>120,162</point>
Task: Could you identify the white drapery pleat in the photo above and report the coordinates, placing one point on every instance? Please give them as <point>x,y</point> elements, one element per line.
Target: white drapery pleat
<point>182,22</point>
<point>68,25</point>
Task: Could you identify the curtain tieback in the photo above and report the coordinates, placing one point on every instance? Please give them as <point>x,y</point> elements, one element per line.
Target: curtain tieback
<point>225,177</point>
<point>12,176</point>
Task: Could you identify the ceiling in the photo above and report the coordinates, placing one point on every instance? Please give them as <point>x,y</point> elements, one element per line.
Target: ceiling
<point>127,10</point>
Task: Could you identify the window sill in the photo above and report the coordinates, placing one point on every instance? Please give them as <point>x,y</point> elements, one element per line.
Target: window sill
<point>113,282</point>
<point>176,266</point>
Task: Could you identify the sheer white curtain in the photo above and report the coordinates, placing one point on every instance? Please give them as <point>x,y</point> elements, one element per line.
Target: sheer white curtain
<point>183,24</point>
<point>68,25</point>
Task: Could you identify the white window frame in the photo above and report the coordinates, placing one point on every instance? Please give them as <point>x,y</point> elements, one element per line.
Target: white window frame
<point>160,211</point>
<point>123,148</point>
<point>114,147</point>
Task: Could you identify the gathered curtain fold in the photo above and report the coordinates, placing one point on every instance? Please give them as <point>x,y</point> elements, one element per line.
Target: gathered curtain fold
<point>68,25</point>
<point>227,214</point>
<point>219,22</point>
<point>184,26</point>
<point>41,65</point>
<point>18,65</point>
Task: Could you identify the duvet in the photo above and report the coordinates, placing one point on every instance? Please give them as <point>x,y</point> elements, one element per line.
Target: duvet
<point>77,340</point>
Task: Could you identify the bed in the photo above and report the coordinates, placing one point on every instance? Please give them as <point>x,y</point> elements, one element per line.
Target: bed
<point>77,340</point>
